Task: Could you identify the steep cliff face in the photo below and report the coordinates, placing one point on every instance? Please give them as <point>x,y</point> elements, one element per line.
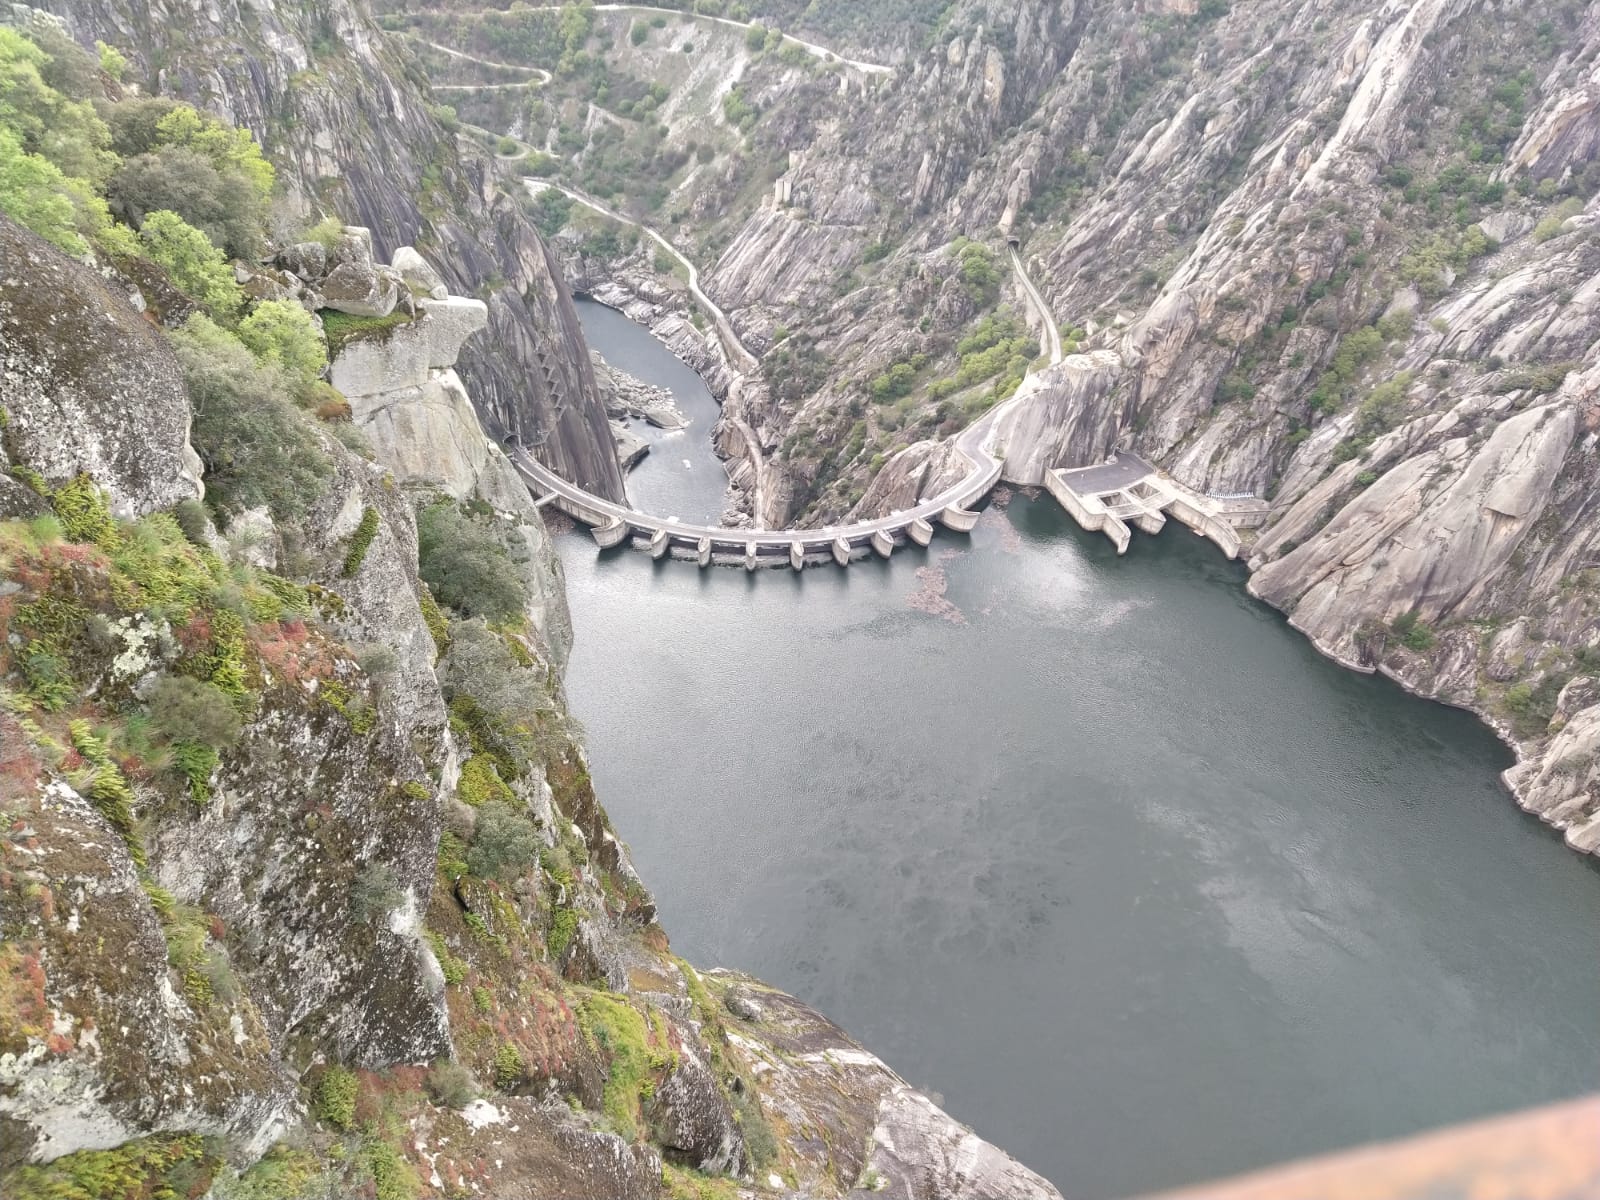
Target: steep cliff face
<point>348,119</point>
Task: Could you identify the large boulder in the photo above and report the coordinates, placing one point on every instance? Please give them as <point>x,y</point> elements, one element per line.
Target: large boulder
<point>418,273</point>
<point>361,290</point>
<point>87,383</point>
<point>309,260</point>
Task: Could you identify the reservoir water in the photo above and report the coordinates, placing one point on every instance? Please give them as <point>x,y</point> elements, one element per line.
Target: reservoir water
<point>1096,849</point>
<point>680,476</point>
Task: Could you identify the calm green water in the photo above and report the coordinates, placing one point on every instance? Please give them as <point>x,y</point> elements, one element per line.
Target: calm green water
<point>1097,849</point>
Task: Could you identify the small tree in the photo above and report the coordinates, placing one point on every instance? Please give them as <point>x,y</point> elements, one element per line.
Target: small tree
<point>451,1084</point>
<point>466,566</point>
<point>194,264</point>
<point>334,1097</point>
<point>257,449</point>
<point>112,61</point>
<point>504,842</point>
<point>282,334</point>
<point>190,710</point>
<point>508,1066</point>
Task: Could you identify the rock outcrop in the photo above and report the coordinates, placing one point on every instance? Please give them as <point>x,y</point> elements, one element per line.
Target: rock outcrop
<point>90,386</point>
<point>406,396</point>
<point>882,1134</point>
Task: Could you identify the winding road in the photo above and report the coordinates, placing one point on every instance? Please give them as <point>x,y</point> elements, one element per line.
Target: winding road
<point>544,76</point>
<point>1050,335</point>
<point>811,48</point>
<point>744,361</point>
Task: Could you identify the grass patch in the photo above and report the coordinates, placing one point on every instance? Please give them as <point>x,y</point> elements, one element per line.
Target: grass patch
<point>624,1036</point>
<point>163,1167</point>
<point>342,328</point>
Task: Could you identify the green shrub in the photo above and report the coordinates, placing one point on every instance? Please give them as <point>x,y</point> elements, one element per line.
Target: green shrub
<point>84,512</point>
<point>481,783</point>
<point>326,233</point>
<point>1396,325</point>
<point>333,1099</point>
<point>191,710</point>
<point>505,709</point>
<point>506,146</point>
<point>195,762</point>
<point>107,788</point>
<point>620,1031</point>
<point>195,266</point>
<point>210,174</point>
<point>453,968</point>
<point>256,447</point>
<point>1555,221</point>
<point>376,892</point>
<point>112,61</point>
<point>758,1138</point>
<point>465,565</point>
<point>433,617</point>
<point>551,210</point>
<point>392,1176</point>
<point>1412,631</point>
<point>978,271</point>
<point>508,1066</point>
<point>281,334</point>
<point>35,194</point>
<point>283,1173</point>
<point>563,928</point>
<point>361,541</point>
<point>191,517</point>
<point>639,33</point>
<point>165,1166</point>
<point>451,1084</point>
<point>504,842</point>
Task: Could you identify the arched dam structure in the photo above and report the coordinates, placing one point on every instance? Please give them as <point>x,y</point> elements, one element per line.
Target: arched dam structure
<point>1104,498</point>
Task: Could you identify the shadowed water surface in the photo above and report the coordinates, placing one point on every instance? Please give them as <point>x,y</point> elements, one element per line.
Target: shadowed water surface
<point>1097,849</point>
<point>681,476</point>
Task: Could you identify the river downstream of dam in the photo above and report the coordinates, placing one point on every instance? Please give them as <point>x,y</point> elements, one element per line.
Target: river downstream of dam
<point>1096,849</point>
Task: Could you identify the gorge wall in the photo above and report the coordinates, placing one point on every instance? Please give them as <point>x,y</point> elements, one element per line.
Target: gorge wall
<point>1340,258</point>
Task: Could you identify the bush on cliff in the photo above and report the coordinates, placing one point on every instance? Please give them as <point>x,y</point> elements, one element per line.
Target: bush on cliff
<point>466,566</point>
<point>211,174</point>
<point>281,334</point>
<point>504,842</point>
<point>194,264</point>
<point>256,447</point>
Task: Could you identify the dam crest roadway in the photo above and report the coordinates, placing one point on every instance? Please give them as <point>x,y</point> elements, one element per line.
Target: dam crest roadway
<point>1105,497</point>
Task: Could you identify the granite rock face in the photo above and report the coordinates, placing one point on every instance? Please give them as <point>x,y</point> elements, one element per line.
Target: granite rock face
<point>882,1135</point>
<point>90,385</point>
<point>1425,538</point>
